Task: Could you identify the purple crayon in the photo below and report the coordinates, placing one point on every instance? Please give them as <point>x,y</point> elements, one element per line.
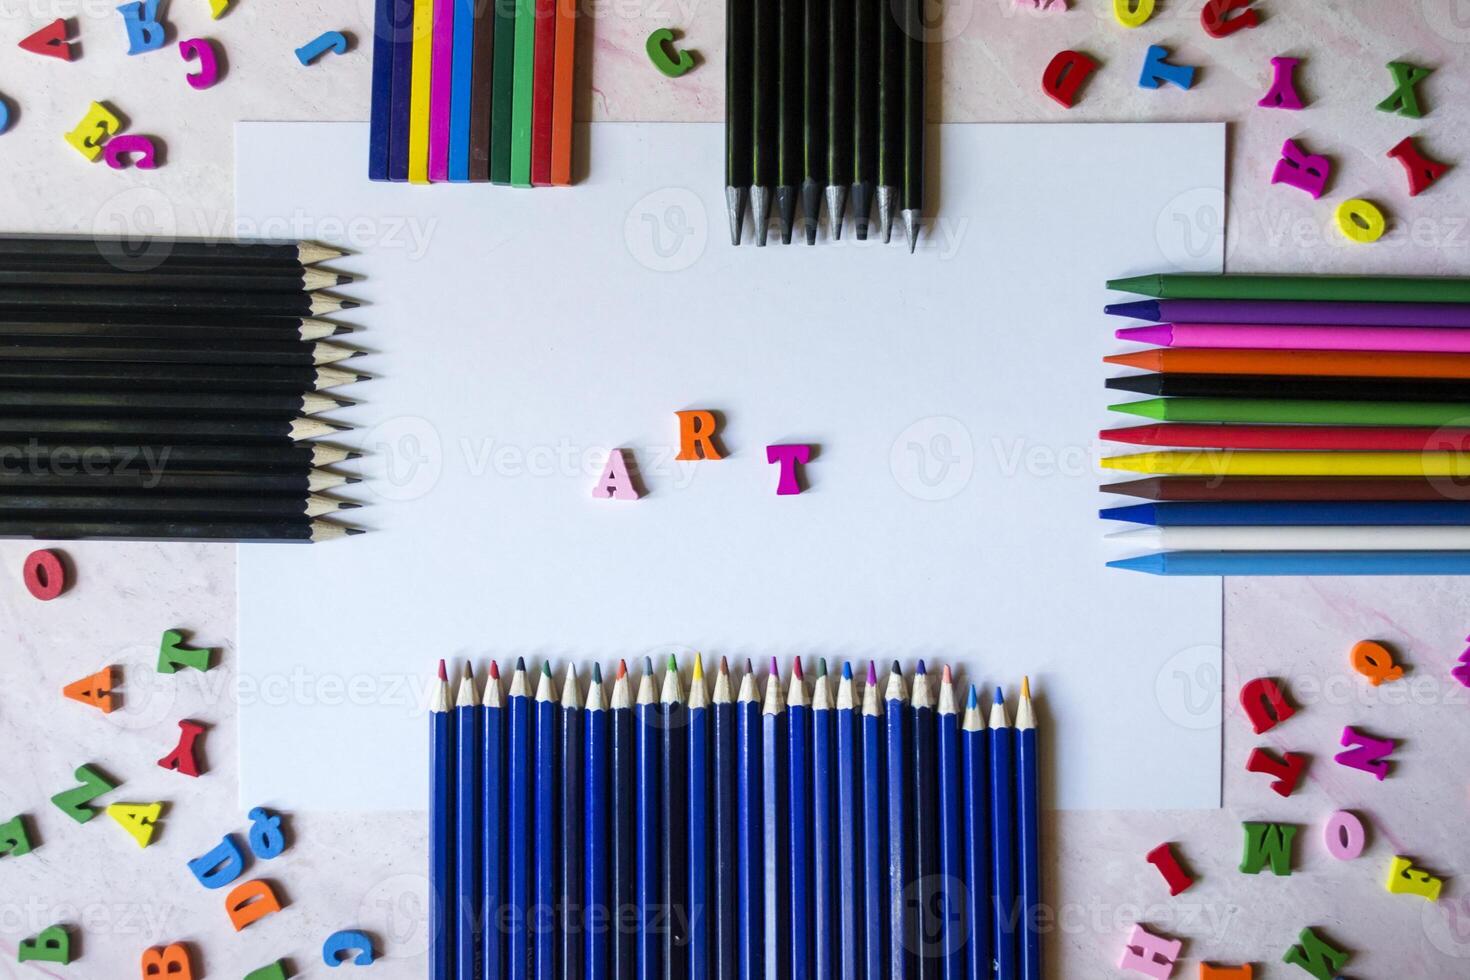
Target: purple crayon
<point>1294,311</point>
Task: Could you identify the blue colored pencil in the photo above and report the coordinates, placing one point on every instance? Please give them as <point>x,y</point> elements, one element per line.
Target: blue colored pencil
<point>726,837</point>
<point>901,933</point>
<point>492,810</point>
<point>441,833</point>
<point>952,940</point>
<point>849,896</point>
<point>546,830</point>
<point>596,818</point>
<point>1299,563</point>
<point>572,933</point>
<point>673,830</point>
<point>1002,840</point>
<point>975,787</point>
<point>1300,513</point>
<point>400,39</point>
<point>749,830</point>
<point>1028,834</point>
<point>699,825</point>
<point>382,91</point>
<point>648,849</point>
<point>461,88</point>
<point>775,828</point>
<point>924,824</point>
<point>518,831</point>
<point>875,834</point>
<point>623,791</point>
<point>798,804</point>
<point>467,827</point>
<point>823,847</point>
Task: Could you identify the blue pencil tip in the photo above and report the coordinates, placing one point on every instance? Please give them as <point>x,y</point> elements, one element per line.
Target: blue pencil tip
<point>920,669</point>
<point>1153,563</point>
<point>1142,309</point>
<point>1134,513</point>
<point>1000,696</point>
<point>973,701</point>
<point>846,671</point>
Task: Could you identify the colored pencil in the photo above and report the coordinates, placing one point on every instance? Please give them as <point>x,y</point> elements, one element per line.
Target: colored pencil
<point>1267,386</point>
<point>1370,289</point>
<point>1218,338</point>
<point>506,39</point>
<point>865,111</point>
<point>169,506</point>
<point>58,456</point>
<point>562,91</point>
<point>461,85</point>
<point>545,856</point>
<point>1301,411</point>
<point>848,896</point>
<point>791,43</point>
<point>380,115</point>
<point>1301,513</point>
<point>726,837</point>
<point>205,351</point>
<point>924,821</point>
<point>814,110</point>
<point>1002,840</point>
<point>400,41</point>
<point>467,829</point>
<point>673,890</point>
<point>275,302</point>
<point>841,16</point>
<point>1028,833</point>
<point>951,939</point>
<point>1287,488</point>
<point>482,89</point>
<point>543,91</point>
<point>648,848</point>
<point>1362,437</point>
<point>136,477</point>
<point>902,923</point>
<point>441,832</point>
<point>749,829</point>
<point>873,828</point>
<point>622,788</point>
<point>1308,538</point>
<point>441,89</point>
<point>915,43</point>
<point>1299,563</point>
<point>739,123</point>
<point>518,827</point>
<point>573,917</point>
<point>492,809</point>
<point>596,820</point>
<point>975,787</point>
<point>421,82</point>
<point>798,819</point>
<point>824,837</point>
<point>890,113</point>
<point>1247,462</point>
<point>44,277</point>
<point>165,377</point>
<point>1295,363</point>
<point>523,94</point>
<point>240,432</point>
<point>697,819</point>
<point>1306,313</point>
<point>776,877</point>
<point>764,112</point>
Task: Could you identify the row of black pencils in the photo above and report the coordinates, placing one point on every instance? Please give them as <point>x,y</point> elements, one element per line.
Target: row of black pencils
<point>169,390</point>
<point>824,99</point>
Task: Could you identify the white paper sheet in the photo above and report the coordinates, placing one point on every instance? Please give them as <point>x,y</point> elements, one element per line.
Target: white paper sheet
<point>955,398</point>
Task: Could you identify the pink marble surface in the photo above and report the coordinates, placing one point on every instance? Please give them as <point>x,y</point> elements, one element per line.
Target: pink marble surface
<point>350,871</point>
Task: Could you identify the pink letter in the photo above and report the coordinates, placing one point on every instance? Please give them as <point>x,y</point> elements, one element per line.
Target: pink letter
<point>1150,954</point>
<point>117,149</point>
<point>1366,753</point>
<point>1345,835</point>
<point>202,49</point>
<point>1301,170</point>
<point>1283,86</point>
<point>615,483</point>
<point>788,456</point>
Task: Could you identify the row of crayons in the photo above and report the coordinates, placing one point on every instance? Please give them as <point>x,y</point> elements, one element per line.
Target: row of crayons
<point>473,90</point>
<point>804,835</point>
<point>824,100</point>
<point>1302,425</point>
<point>169,391</point>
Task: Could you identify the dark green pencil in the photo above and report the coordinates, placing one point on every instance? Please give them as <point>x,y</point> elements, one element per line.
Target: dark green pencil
<point>865,112</point>
<point>890,112</point>
<point>814,106</point>
<point>790,79</point>
<point>739,91</point>
<point>913,121</point>
<point>840,17</point>
<point>765,58</point>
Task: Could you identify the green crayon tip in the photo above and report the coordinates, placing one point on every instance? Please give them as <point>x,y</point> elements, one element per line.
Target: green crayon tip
<point>1142,285</point>
<point>673,662</point>
<point>1149,408</point>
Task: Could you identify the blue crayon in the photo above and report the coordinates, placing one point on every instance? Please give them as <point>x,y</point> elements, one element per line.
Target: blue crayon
<point>492,810</point>
<point>798,814</point>
<point>1309,513</point>
<point>467,828</point>
<point>849,894</point>
<point>518,831</point>
<point>726,837</point>
<point>824,921</point>
<point>596,818</point>
<point>546,831</point>
<point>648,844</point>
<point>1002,840</point>
<point>975,788</point>
<point>874,834</point>
<point>899,860</point>
<point>1299,563</point>
<point>749,828</point>
<point>441,833</point>
<point>775,879</point>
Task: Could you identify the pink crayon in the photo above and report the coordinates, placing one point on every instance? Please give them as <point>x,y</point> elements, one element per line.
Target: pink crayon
<point>439,86</point>
<point>1435,340</point>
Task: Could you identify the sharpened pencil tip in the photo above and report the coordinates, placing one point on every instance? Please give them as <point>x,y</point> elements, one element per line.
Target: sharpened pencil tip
<point>775,667</point>
<point>947,676</point>
<point>354,455</point>
<point>1025,686</point>
<point>622,669</point>
<point>648,665</point>
<point>354,479</point>
<point>520,663</point>
<point>749,667</point>
<point>920,669</point>
<point>735,198</point>
<point>821,666</point>
<point>443,672</point>
<point>724,666</point>
<point>347,505</point>
<point>1000,696</point>
<point>343,279</point>
<point>846,671</point>
<point>494,671</point>
<point>353,531</point>
<point>897,668</point>
<point>350,304</point>
<point>796,670</point>
<point>698,668</point>
<point>872,672</point>
<point>597,673</point>
<point>546,668</point>
<point>467,674</point>
<point>673,663</point>
<point>973,701</point>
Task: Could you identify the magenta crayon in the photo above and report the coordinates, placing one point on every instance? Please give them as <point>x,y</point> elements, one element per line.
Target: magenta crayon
<point>1437,340</point>
<point>440,88</point>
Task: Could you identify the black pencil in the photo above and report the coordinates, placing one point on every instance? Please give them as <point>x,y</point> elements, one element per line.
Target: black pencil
<point>790,118</point>
<point>162,323</point>
<point>32,374</point>
<point>169,506</point>
<point>145,263</point>
<point>240,430</point>
<point>160,248</point>
<point>195,404</point>
<point>303,531</point>
<point>49,277</point>
<point>55,457</point>
<point>765,58</point>
<point>1272,386</point>
<point>739,125</point>
<point>839,104</point>
<point>674,824</point>
<point>912,203</point>
<point>135,476</point>
<point>157,351</point>
<point>282,303</point>
<point>890,113</point>
<point>865,111</point>
<point>814,107</point>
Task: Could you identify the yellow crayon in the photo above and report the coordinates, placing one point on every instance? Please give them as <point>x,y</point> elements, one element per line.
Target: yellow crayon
<point>418,101</point>
<point>1234,462</point>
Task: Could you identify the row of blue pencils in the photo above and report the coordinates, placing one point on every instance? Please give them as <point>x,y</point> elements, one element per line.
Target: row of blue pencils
<point>807,834</point>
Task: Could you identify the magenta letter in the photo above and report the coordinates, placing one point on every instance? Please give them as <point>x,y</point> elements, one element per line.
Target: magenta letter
<point>788,456</point>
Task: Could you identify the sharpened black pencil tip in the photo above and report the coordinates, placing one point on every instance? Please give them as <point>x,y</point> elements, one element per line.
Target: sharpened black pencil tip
<point>356,353</point>
<point>350,304</point>
<point>354,479</point>
<point>348,505</point>
<point>786,212</point>
<point>343,279</point>
<point>354,455</point>
<point>342,328</point>
<point>356,530</point>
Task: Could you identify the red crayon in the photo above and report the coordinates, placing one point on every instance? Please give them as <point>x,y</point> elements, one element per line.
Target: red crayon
<point>543,88</point>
